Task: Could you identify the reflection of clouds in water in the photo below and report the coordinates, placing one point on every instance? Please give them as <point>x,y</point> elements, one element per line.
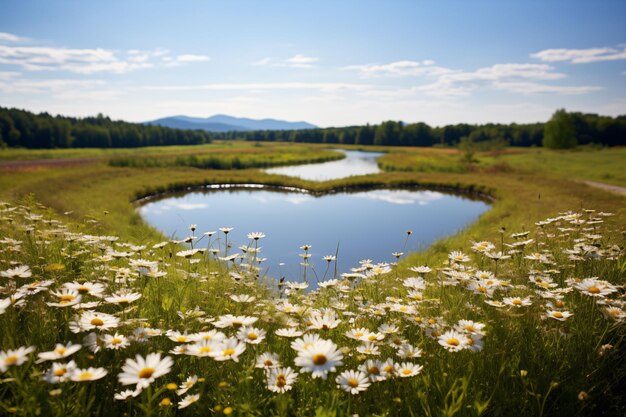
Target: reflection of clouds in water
<point>298,199</point>
<point>402,196</point>
<point>159,208</point>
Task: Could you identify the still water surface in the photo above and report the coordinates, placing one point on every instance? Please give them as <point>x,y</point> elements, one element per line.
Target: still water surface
<point>355,163</point>
<point>364,225</point>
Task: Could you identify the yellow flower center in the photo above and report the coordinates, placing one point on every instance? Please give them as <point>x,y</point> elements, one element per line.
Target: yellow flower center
<point>252,336</point>
<point>67,297</point>
<point>60,372</point>
<point>97,322</point>
<point>470,328</point>
<point>181,338</point>
<point>228,352</point>
<point>319,359</point>
<point>281,381</point>
<point>594,290</point>
<point>204,349</point>
<point>268,362</point>
<point>353,382</point>
<point>516,302</point>
<point>10,360</point>
<point>358,334</point>
<point>116,341</point>
<point>407,372</point>
<point>82,289</point>
<point>453,341</point>
<point>146,373</point>
<point>374,370</point>
<point>557,314</point>
<point>85,376</point>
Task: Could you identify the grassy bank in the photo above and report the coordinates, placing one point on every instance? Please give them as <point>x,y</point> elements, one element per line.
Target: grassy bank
<point>513,358</point>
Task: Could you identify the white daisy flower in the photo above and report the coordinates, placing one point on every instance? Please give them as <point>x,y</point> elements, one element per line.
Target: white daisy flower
<point>280,379</point>
<point>143,371</point>
<point>353,381</point>
<point>319,359</point>
<point>88,374</point>
<point>14,357</point>
<point>60,351</point>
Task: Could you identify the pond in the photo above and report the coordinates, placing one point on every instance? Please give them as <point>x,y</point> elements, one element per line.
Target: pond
<point>354,225</point>
<point>355,163</point>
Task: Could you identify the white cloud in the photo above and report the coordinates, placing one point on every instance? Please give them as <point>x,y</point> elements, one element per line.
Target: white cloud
<point>301,61</point>
<point>26,86</point>
<point>402,197</point>
<point>9,37</point>
<point>5,75</point>
<point>581,56</point>
<point>324,87</point>
<point>536,88</point>
<point>296,61</point>
<point>399,69</point>
<point>192,58</point>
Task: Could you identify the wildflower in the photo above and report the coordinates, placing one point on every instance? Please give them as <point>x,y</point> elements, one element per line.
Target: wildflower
<point>230,320</point>
<point>143,371</point>
<point>458,257</point>
<point>88,374</point>
<point>115,342</point>
<point>60,351</point>
<point>242,298</point>
<point>228,349</point>
<point>288,332</point>
<point>202,348</point>
<point>615,313</point>
<point>368,348</point>
<point>559,315</point>
<point>280,379</point>
<point>483,247</point>
<point>407,369</point>
<point>353,381</point>
<point>66,298</point>
<point>324,322</point>
<point>388,369</point>
<point>373,370</point>
<point>407,351</point>
<point>187,385</point>
<point>267,360</point>
<point>256,235</point>
<point>22,271</point>
<point>470,327</point>
<point>212,335</point>
<point>517,301</point>
<point>188,400</point>
<point>453,341</point>
<point>320,358</point>
<point>60,372</point>
<point>123,297</point>
<point>86,288</point>
<point>251,335</point>
<point>126,394</point>
<point>91,320</point>
<point>595,287</point>
<point>14,357</point>
<point>179,337</point>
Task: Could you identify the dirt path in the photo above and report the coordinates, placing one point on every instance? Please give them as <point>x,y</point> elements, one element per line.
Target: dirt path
<point>616,189</point>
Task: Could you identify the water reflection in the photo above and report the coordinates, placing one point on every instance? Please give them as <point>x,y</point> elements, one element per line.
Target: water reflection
<point>355,163</point>
<point>363,225</point>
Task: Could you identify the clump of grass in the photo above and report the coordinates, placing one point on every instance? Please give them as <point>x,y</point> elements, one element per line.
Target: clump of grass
<point>531,323</point>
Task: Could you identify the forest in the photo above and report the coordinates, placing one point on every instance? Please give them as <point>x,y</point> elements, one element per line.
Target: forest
<point>19,128</point>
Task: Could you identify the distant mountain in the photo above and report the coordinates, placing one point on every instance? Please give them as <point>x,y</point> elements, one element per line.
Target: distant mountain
<point>224,123</point>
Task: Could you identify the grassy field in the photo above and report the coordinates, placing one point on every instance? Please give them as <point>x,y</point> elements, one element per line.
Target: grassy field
<point>542,300</point>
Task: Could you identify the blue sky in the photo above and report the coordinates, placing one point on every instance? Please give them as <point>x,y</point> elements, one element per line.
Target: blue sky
<point>331,63</point>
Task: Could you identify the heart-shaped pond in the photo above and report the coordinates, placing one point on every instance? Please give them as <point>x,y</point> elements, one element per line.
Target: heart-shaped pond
<point>362,225</point>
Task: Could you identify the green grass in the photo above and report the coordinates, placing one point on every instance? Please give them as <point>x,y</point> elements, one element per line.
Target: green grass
<point>530,365</point>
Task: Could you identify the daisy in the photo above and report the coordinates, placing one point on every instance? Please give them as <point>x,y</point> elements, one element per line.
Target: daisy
<point>353,381</point>
<point>123,297</point>
<point>242,298</point>
<point>324,322</point>
<point>267,360</point>
<point>251,335</point>
<point>256,235</point>
<point>306,343</point>
<point>458,257</point>
<point>143,372</point>
<point>187,385</point>
<point>229,320</point>
<point>212,335</point>
<point>188,400</point>
<point>60,372</point>
<point>280,379</point>
<point>202,348</point>
<point>91,320</point>
<point>228,349</point>
<point>471,327</point>
<point>14,357</point>
<point>115,342</point>
<point>322,357</point>
<point>126,394</point>
<point>178,337</point>
<point>517,301</point>
<point>86,288</point>
<point>373,369</point>
<point>22,271</point>
<point>559,315</point>
<point>65,298</point>
<point>388,369</point>
<point>453,341</point>
<point>595,287</point>
<point>368,348</point>
<point>4,304</point>
<point>60,351</point>
<point>408,351</point>
<point>408,369</point>
<point>88,374</point>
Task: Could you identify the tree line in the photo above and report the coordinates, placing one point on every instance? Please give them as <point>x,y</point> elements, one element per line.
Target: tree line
<point>583,128</point>
<point>19,128</point>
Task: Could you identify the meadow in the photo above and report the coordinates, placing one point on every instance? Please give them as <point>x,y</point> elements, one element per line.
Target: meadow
<point>522,312</point>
